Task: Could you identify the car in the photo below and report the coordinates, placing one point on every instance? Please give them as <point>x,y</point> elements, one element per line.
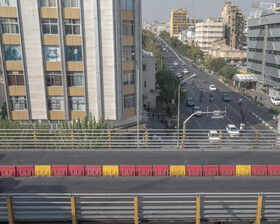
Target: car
<point>196,109</point>
<point>179,75</point>
<point>185,71</point>
<point>213,136</point>
<point>171,70</point>
<point>275,101</point>
<point>232,130</point>
<point>212,88</point>
<point>164,49</point>
<point>176,63</point>
<point>190,102</point>
<point>226,98</point>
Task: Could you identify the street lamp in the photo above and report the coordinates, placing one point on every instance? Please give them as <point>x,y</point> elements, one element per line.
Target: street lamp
<point>179,103</point>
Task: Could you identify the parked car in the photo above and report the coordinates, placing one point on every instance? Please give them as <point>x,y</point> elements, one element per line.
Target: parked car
<point>176,63</point>
<point>232,130</point>
<point>179,75</point>
<point>226,98</point>
<point>196,109</point>
<point>213,136</point>
<point>190,102</point>
<point>212,88</point>
<point>275,101</point>
<point>185,71</point>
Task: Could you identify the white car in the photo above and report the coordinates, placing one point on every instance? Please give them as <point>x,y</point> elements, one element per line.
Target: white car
<point>212,88</point>
<point>275,101</point>
<point>176,63</point>
<point>185,71</point>
<point>179,75</point>
<point>213,136</point>
<point>232,130</point>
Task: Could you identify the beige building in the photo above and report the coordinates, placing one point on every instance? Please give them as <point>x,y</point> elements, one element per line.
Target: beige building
<point>64,59</point>
<point>179,21</point>
<point>219,49</point>
<point>234,20</point>
<point>207,32</point>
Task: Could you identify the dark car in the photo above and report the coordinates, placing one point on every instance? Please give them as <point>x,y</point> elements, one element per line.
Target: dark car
<point>190,102</point>
<point>197,109</point>
<point>226,98</point>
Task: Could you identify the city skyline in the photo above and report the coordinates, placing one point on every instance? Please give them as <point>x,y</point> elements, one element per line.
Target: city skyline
<point>212,8</point>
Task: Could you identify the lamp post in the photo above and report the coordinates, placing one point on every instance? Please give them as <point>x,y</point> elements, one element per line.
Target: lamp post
<point>179,104</point>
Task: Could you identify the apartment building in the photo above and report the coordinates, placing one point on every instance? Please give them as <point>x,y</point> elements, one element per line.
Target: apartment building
<point>234,20</point>
<point>65,59</point>
<point>207,32</point>
<point>157,28</point>
<point>263,51</point>
<point>179,21</point>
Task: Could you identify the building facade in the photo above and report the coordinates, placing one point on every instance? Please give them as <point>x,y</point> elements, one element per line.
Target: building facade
<point>234,20</point>
<point>149,80</point>
<point>264,48</point>
<point>179,21</point>
<point>207,32</point>
<point>188,36</point>
<point>157,28</point>
<point>65,59</point>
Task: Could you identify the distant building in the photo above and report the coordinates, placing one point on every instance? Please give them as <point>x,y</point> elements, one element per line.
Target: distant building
<point>188,36</point>
<point>179,21</point>
<point>149,79</point>
<point>219,49</point>
<point>264,47</point>
<point>234,25</point>
<point>207,32</point>
<point>157,28</point>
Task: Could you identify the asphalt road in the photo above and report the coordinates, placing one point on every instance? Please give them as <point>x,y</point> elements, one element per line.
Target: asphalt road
<point>233,108</point>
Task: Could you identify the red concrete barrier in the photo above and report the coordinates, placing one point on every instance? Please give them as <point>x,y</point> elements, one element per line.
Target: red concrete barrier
<point>59,170</point>
<point>259,170</point>
<point>273,170</point>
<point>93,171</point>
<point>25,171</point>
<point>194,170</point>
<point>127,171</point>
<point>160,171</point>
<point>76,171</point>
<point>144,171</point>
<point>8,171</point>
<point>227,170</point>
<point>210,170</point>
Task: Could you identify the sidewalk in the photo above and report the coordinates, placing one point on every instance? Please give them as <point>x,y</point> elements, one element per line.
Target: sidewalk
<point>154,122</point>
<point>265,98</point>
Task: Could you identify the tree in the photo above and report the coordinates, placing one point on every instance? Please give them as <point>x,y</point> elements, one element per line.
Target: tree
<point>195,53</point>
<point>228,71</point>
<point>217,63</point>
<point>164,35</point>
<point>3,112</point>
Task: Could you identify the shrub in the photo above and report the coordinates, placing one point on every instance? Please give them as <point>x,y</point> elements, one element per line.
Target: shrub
<point>273,110</point>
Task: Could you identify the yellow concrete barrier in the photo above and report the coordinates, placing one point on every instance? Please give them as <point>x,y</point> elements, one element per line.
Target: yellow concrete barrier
<point>110,171</point>
<point>177,171</point>
<point>43,171</point>
<point>243,170</point>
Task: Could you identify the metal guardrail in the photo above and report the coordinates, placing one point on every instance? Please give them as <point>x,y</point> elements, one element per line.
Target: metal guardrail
<point>127,139</point>
<point>207,207</point>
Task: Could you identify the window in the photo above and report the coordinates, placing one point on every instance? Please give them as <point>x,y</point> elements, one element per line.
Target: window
<point>55,103</point>
<point>129,101</point>
<point>128,78</point>
<point>144,67</point>
<point>145,84</point>
<point>77,103</point>
<point>70,3</point>
<point>72,26</point>
<point>74,53</point>
<point>127,28</point>
<point>18,103</point>
<point>127,5</point>
<point>49,26</point>
<point>8,2</point>
<point>128,53</point>
<point>9,25</point>
<point>48,3</point>
<point>272,78</point>
<point>53,79</point>
<point>52,53</point>
<point>13,52</point>
<point>15,78</point>
<point>75,79</point>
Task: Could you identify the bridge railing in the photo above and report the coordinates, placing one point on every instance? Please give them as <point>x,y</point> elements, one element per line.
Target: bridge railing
<point>121,139</point>
<point>207,207</point>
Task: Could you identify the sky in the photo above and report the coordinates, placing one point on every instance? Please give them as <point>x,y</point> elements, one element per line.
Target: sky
<point>161,9</point>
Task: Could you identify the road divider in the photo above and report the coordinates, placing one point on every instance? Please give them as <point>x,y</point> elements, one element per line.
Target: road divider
<point>139,170</point>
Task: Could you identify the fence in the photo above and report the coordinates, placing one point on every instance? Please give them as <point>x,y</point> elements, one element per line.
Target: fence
<point>215,207</point>
<point>122,139</point>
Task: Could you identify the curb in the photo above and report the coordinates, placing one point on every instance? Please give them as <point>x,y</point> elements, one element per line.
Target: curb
<point>264,122</point>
